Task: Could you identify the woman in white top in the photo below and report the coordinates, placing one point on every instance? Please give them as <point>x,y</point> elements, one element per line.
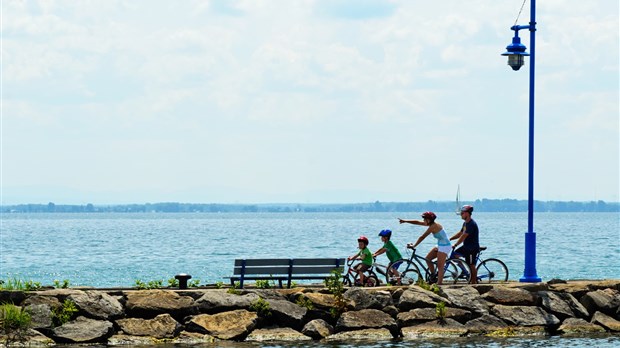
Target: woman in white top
<point>443,248</point>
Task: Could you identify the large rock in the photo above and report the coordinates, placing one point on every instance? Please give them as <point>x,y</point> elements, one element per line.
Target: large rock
<point>192,338</point>
<point>376,335</point>
<point>83,330</point>
<point>221,301</point>
<point>606,321</point>
<point>359,298</point>
<point>416,297</point>
<point>466,297</point>
<point>420,315</point>
<point>317,329</point>
<point>150,303</point>
<point>384,298</point>
<point>31,338</point>
<point>97,305</point>
<point>231,325</point>
<point>320,300</point>
<point>41,309</point>
<point>525,316</point>
<point>485,324</point>
<point>286,313</point>
<point>366,319</point>
<point>578,326</point>
<point>162,326</point>
<point>605,300</point>
<point>276,334</point>
<point>562,305</point>
<point>508,296</point>
<point>434,329</point>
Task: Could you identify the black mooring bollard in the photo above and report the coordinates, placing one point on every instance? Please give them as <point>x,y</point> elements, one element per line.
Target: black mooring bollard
<point>182,278</point>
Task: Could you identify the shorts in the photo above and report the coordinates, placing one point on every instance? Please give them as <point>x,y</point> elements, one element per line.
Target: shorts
<point>361,267</point>
<point>469,255</point>
<point>446,249</point>
<point>396,265</point>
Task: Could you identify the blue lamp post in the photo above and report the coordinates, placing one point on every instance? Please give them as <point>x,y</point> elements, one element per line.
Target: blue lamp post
<point>516,56</point>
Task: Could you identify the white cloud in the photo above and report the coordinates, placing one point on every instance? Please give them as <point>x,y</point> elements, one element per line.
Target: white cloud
<point>304,96</point>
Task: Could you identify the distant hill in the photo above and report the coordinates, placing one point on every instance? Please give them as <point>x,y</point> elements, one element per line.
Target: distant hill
<point>481,205</point>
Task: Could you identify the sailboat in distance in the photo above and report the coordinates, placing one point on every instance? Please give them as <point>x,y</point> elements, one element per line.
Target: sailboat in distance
<point>458,200</point>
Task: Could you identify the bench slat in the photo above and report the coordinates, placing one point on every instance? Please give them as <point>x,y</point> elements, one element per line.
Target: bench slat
<point>315,270</point>
<point>318,262</point>
<point>262,262</point>
<point>263,270</point>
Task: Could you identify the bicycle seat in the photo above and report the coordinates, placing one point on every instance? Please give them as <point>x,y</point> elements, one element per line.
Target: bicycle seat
<point>483,248</point>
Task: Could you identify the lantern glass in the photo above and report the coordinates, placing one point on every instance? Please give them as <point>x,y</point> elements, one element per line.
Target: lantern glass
<point>516,61</point>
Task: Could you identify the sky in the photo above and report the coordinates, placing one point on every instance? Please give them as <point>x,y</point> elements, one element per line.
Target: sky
<point>307,101</point>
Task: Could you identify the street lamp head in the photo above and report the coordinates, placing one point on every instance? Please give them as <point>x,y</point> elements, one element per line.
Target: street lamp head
<point>516,53</point>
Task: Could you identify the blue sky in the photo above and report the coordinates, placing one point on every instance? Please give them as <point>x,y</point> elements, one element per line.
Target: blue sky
<point>304,101</point>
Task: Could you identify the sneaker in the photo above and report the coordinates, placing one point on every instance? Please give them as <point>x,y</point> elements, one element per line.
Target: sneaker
<point>464,276</point>
<point>357,283</point>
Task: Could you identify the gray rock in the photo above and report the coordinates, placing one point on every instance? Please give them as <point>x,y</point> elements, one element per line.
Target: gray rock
<point>376,335</point>
<point>317,329</point>
<point>97,305</point>
<point>606,321</point>
<point>578,326</point>
<point>149,303</point>
<point>391,310</point>
<point>128,340</point>
<point>366,319</point>
<point>485,324</point>
<point>525,316</point>
<point>605,300</point>
<point>420,315</point>
<point>286,313</point>
<point>192,338</point>
<point>416,297</point>
<point>162,326</point>
<point>508,296</point>
<point>276,334</point>
<point>466,297</point>
<point>320,300</point>
<point>31,338</point>
<point>231,325</point>
<point>41,311</point>
<point>384,298</point>
<point>359,299</point>
<point>562,305</point>
<point>216,301</point>
<point>83,330</point>
<point>434,329</point>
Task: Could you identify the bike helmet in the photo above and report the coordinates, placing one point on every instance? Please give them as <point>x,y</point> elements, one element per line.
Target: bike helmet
<point>385,233</point>
<point>429,215</point>
<point>363,239</point>
<point>467,208</point>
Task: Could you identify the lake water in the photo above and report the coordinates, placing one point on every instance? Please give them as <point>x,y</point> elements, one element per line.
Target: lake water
<point>116,249</point>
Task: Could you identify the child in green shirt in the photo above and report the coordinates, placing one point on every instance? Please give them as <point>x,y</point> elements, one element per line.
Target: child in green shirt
<point>365,255</point>
<point>392,252</point>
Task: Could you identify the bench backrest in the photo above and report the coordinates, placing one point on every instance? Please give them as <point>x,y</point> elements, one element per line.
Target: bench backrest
<point>287,266</point>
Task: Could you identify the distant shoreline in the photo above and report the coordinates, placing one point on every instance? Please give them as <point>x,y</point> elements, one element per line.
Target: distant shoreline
<point>482,205</point>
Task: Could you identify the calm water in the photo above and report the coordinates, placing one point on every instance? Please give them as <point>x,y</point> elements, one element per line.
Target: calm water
<point>107,250</point>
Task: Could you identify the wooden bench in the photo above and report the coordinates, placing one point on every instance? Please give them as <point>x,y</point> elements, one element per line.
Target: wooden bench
<point>284,269</point>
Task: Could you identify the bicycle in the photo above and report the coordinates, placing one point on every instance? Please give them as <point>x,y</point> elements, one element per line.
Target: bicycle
<point>350,278</point>
<point>491,268</point>
<point>414,263</point>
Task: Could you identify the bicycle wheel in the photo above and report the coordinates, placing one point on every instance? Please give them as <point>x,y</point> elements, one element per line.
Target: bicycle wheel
<point>371,280</point>
<point>346,280</point>
<point>491,270</point>
<point>456,271</point>
<point>409,274</point>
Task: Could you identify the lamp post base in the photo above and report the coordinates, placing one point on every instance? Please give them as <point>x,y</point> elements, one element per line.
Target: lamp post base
<point>529,274</point>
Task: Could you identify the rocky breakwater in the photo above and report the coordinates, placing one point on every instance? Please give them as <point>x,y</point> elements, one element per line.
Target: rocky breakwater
<point>138,317</point>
